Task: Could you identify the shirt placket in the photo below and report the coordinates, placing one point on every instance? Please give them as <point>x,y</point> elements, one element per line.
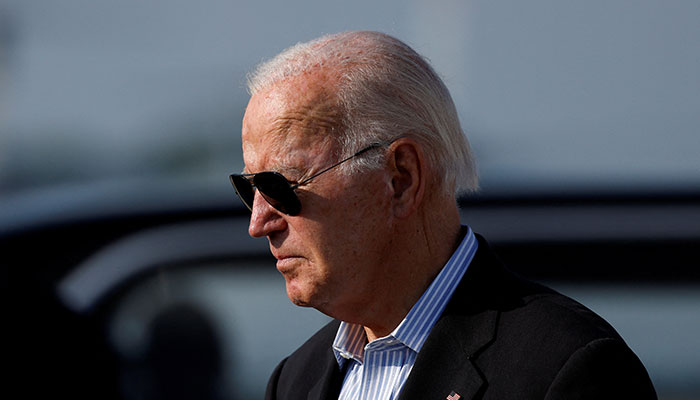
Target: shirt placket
<point>382,364</point>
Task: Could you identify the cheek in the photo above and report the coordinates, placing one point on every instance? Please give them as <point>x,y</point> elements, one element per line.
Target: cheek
<point>369,205</point>
<point>362,220</point>
<point>348,222</point>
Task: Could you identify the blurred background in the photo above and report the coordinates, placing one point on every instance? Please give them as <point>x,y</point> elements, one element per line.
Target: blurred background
<point>584,111</point>
<point>552,94</point>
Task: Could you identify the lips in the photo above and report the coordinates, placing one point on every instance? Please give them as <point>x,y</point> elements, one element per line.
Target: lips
<point>280,255</point>
<point>287,265</point>
<point>284,260</point>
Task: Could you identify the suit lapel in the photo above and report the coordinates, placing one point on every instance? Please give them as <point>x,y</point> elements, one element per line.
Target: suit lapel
<point>329,383</point>
<point>445,363</point>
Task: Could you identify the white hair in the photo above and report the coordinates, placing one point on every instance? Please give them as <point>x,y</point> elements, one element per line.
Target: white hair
<point>385,90</point>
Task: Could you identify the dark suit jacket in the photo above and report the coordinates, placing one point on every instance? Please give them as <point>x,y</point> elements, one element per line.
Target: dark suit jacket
<point>500,337</point>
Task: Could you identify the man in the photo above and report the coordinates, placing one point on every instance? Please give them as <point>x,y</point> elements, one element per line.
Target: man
<point>353,153</point>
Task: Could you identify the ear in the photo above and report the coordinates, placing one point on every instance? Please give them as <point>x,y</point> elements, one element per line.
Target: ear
<point>408,176</point>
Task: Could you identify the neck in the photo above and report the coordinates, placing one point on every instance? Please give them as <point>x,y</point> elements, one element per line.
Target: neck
<point>426,246</point>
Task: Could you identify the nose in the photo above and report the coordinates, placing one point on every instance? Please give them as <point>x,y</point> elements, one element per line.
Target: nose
<point>264,219</point>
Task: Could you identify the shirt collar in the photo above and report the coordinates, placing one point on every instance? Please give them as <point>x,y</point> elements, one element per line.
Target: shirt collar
<point>350,340</point>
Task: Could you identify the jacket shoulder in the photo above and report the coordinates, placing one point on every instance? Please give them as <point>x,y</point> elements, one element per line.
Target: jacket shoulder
<point>541,342</point>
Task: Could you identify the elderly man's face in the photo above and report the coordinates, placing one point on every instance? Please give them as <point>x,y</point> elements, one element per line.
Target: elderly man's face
<point>330,254</point>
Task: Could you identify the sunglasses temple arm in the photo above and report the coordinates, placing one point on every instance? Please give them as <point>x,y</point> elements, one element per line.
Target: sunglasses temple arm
<point>366,149</point>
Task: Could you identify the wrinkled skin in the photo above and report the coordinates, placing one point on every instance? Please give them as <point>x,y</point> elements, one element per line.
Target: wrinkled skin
<point>332,252</point>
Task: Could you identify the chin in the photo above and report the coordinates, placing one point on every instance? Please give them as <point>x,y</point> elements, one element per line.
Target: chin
<point>298,296</point>
<point>299,302</point>
<point>307,293</point>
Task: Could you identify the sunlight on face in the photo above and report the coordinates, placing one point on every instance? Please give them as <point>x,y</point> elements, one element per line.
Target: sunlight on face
<point>329,253</point>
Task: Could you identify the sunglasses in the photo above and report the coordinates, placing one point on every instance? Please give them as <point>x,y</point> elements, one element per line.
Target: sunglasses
<point>278,190</point>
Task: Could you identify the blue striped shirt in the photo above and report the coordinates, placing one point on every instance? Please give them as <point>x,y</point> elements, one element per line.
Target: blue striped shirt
<point>378,370</point>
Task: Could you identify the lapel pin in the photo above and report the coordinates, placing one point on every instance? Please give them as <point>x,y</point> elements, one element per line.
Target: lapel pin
<point>454,396</point>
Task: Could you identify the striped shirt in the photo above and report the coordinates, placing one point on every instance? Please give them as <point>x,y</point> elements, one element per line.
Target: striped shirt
<point>378,370</point>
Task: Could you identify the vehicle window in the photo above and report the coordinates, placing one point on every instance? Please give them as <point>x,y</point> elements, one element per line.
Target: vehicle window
<point>221,327</point>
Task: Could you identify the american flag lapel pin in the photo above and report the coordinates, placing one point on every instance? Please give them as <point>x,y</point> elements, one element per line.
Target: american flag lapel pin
<point>454,396</point>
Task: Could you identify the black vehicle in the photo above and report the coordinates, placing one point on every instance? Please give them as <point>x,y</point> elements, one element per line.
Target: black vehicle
<point>150,292</point>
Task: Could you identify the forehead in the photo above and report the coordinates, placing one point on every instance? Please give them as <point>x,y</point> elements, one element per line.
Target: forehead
<point>289,123</point>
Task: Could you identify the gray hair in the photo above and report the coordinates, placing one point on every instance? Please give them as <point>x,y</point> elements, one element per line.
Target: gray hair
<point>385,91</point>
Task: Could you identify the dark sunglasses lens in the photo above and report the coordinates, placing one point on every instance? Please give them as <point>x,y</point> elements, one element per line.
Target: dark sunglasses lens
<point>244,189</point>
<point>277,191</point>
